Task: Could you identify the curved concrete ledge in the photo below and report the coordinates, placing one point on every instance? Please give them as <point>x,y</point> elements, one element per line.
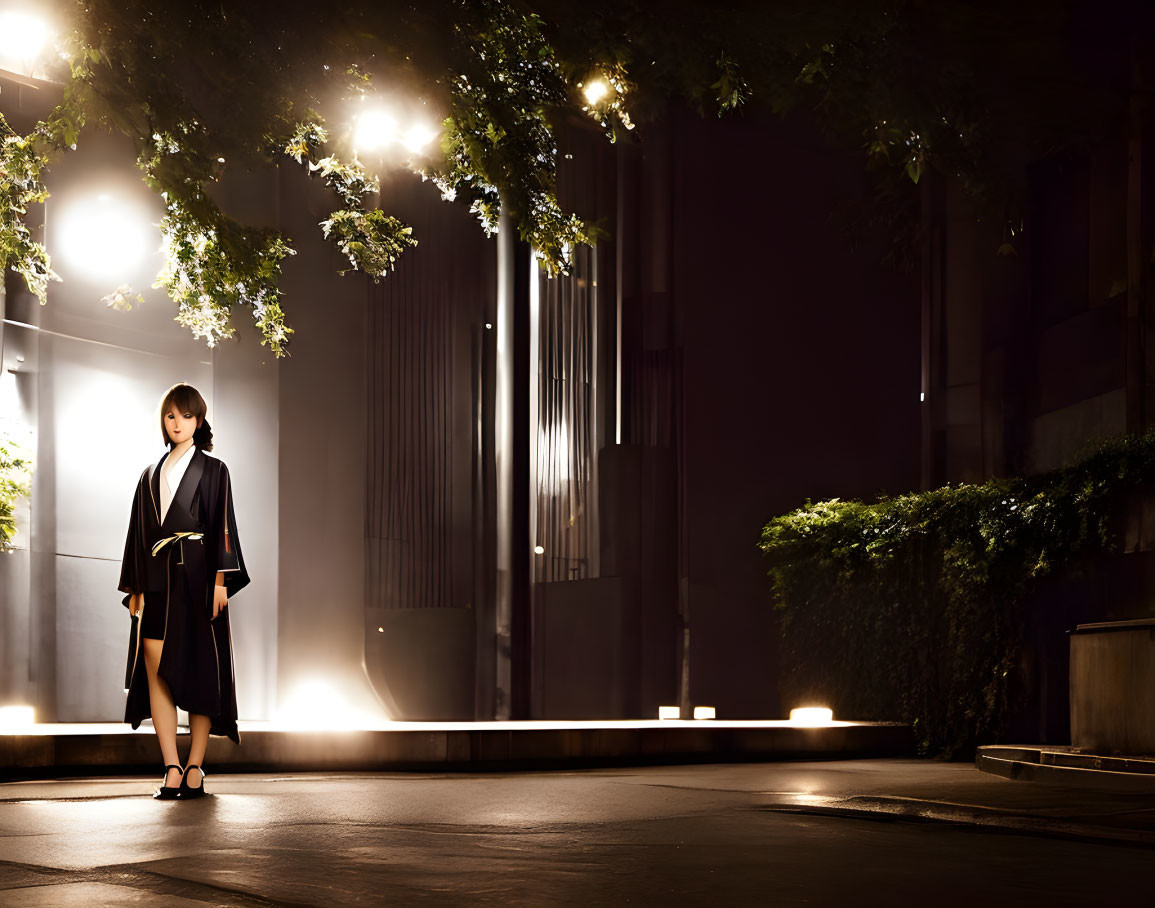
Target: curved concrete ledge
<point>1068,768</point>
<point>480,746</point>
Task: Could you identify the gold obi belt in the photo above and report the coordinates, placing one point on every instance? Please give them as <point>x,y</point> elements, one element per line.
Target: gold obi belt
<point>177,537</point>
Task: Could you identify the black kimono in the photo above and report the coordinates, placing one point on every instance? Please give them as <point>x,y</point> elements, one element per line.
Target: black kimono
<point>197,657</point>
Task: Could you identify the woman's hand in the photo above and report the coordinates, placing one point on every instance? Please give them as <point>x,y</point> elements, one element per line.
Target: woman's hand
<point>135,602</point>
<point>220,599</point>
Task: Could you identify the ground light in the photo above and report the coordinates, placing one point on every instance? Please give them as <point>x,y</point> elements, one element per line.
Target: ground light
<point>104,238</point>
<point>704,712</point>
<point>316,704</point>
<point>669,712</point>
<point>811,716</point>
<point>13,718</point>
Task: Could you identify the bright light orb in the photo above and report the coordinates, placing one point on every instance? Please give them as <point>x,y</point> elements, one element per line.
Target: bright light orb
<point>704,712</point>
<point>595,91</point>
<point>105,239</point>
<point>23,39</point>
<point>374,130</point>
<point>669,712</point>
<point>811,716</point>
<point>418,137</point>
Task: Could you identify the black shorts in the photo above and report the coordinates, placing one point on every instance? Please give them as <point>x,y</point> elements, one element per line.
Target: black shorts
<point>152,622</point>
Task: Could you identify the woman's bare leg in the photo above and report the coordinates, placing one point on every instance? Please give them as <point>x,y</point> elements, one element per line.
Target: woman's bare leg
<point>163,709</point>
<point>199,726</point>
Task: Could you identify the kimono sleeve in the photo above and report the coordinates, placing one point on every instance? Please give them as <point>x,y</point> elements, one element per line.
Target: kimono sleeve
<point>133,567</point>
<point>228,555</point>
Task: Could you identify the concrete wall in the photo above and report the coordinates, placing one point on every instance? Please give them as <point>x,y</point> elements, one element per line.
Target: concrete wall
<point>765,360</point>
<point>83,388</point>
<point>321,452</point>
<point>1053,333</point>
<point>801,374</point>
<point>744,279</point>
<point>86,382</point>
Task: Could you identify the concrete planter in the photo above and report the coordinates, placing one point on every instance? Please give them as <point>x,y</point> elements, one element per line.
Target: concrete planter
<point>1113,687</point>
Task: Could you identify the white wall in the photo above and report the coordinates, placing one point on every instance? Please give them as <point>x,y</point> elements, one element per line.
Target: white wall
<point>89,387</point>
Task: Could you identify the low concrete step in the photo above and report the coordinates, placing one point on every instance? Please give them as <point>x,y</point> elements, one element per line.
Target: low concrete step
<point>458,746</point>
<point>1095,761</point>
<point>1068,767</point>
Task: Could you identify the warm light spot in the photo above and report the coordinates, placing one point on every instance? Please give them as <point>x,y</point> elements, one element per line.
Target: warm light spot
<point>317,704</point>
<point>669,712</point>
<point>23,39</point>
<point>596,90</point>
<point>373,130</point>
<point>104,238</point>
<point>811,715</point>
<point>703,712</point>
<point>538,550</point>
<point>16,717</point>
<point>418,136</point>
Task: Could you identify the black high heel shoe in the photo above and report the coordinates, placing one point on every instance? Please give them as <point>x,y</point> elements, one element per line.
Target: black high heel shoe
<point>187,792</point>
<point>165,792</point>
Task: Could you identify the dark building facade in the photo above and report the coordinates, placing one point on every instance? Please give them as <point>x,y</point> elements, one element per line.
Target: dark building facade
<point>1029,356</point>
<point>528,497</point>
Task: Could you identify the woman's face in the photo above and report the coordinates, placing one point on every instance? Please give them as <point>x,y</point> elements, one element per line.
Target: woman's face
<point>179,425</point>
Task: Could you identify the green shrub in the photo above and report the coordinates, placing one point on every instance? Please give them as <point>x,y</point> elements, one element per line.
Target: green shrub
<point>911,608</point>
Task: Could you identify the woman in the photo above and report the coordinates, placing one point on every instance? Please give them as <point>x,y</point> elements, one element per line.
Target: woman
<point>182,564</point>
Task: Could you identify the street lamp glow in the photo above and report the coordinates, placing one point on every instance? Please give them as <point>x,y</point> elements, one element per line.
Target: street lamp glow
<point>104,239</point>
<point>595,91</point>
<point>418,137</point>
<point>373,130</point>
<point>23,39</point>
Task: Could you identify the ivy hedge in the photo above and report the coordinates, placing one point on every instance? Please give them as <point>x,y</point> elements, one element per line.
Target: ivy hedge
<point>914,607</point>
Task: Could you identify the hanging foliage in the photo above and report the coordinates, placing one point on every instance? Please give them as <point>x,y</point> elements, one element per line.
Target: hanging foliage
<point>21,160</point>
<point>964,89</point>
<point>14,484</point>
<point>370,239</point>
<point>498,143</point>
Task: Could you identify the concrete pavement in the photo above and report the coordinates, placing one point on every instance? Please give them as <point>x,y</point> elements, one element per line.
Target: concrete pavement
<point>865,832</point>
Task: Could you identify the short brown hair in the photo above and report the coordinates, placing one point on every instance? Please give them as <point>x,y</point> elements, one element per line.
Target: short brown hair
<point>187,399</point>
